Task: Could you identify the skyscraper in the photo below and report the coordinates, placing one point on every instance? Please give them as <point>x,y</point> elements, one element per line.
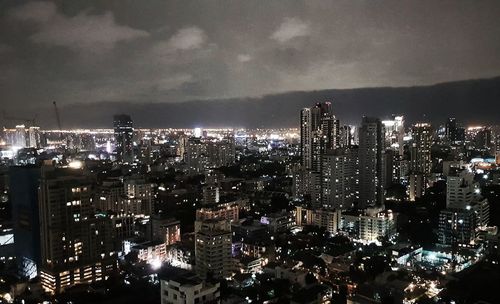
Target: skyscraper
<point>394,133</point>
<point>124,133</point>
<point>76,245</point>
<point>371,162</point>
<point>24,182</point>
<point>451,129</point>
<point>339,178</point>
<point>319,132</point>
<point>421,161</point>
<point>213,248</point>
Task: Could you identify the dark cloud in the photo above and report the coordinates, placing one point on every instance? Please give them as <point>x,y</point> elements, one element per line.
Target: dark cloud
<point>171,51</point>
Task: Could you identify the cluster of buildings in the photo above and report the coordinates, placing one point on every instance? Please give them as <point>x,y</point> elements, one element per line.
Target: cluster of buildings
<point>240,216</point>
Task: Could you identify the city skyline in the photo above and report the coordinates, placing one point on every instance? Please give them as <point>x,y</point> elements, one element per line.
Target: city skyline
<point>237,152</point>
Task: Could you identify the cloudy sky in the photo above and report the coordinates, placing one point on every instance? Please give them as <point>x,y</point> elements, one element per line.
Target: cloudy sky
<point>84,51</point>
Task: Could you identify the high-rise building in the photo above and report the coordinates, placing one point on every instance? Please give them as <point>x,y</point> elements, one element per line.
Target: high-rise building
<point>421,161</point>
<point>226,211</point>
<point>165,230</point>
<point>124,133</point>
<point>483,139</point>
<point>213,249</point>
<point>461,190</point>
<point>24,183</point>
<point>196,156</point>
<point>456,226</point>
<point>496,142</point>
<point>221,153</point>
<point>394,133</point>
<point>319,132</point>
<point>371,162</point>
<point>211,195</point>
<point>111,197</point>
<point>463,198</point>
<point>76,245</point>
<point>339,179</point>
<point>346,138</point>
<point>139,194</point>
<point>451,130</point>
<point>376,225</point>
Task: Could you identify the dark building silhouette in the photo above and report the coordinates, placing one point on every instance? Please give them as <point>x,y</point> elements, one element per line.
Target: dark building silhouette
<point>124,133</point>
<point>24,182</point>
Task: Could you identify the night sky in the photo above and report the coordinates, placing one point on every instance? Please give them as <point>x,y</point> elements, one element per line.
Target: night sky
<point>174,51</point>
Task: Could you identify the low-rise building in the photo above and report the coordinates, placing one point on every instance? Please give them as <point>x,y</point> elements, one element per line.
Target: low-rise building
<point>179,286</point>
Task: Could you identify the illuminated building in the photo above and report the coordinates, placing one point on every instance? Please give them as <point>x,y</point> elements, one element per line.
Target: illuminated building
<point>221,153</point>
<point>463,193</point>
<point>225,211</point>
<point>76,245</point>
<point>319,132</point>
<point>213,249</point>
<point>153,253</point>
<point>451,130</point>
<point>196,156</point>
<point>20,136</point>
<point>375,225</point>
<point>182,146</point>
<point>456,226</point>
<point>278,222</point>
<point>496,143</point>
<point>180,286</point>
<point>111,196</point>
<point>124,133</point>
<point>394,133</point>
<point>417,187</point>
<point>139,195</point>
<point>483,139</point>
<point>346,138</point>
<point>339,179</point>
<point>324,218</point>
<point>213,239</point>
<point>210,195</point>
<point>371,162</point>
<point>166,230</point>
<point>461,190</point>
<point>33,137</point>
<point>421,161</point>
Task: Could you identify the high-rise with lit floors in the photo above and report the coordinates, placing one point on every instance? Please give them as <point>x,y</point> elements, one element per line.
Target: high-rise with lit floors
<point>213,249</point>
<point>420,159</point>
<point>124,133</point>
<point>339,179</point>
<point>76,245</point>
<point>394,133</point>
<point>451,129</point>
<point>421,148</point>
<point>371,162</point>
<point>319,132</point>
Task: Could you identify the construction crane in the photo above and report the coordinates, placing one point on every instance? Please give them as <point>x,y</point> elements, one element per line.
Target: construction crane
<point>57,116</point>
<point>30,122</point>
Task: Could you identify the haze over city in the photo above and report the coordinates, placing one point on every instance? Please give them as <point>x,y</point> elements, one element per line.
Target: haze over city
<point>90,52</point>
